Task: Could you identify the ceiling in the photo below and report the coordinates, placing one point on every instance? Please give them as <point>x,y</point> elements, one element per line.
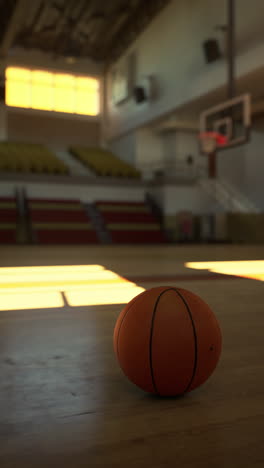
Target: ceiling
<point>96,29</point>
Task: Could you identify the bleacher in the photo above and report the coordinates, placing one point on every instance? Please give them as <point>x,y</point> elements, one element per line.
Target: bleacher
<point>103,162</point>
<point>130,222</point>
<point>27,157</point>
<point>67,222</point>
<point>8,220</point>
<point>60,222</point>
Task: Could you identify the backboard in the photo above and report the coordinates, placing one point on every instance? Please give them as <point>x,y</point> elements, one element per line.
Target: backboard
<point>231,118</point>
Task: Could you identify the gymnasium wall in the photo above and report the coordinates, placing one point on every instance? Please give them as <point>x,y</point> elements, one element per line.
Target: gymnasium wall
<point>146,148</point>
<point>149,149</point>
<point>171,50</point>
<point>171,198</point>
<point>254,168</point>
<point>85,192</point>
<point>125,148</point>
<point>231,165</point>
<point>176,198</point>
<point>142,148</point>
<point>244,167</point>
<point>50,127</point>
<point>47,128</point>
<point>178,145</point>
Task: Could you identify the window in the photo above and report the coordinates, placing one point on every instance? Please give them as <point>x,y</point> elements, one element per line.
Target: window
<point>42,92</point>
<point>39,89</point>
<point>18,87</point>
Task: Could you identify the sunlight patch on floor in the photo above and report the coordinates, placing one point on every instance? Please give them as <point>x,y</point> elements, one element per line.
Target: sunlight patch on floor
<point>41,287</point>
<point>253,269</point>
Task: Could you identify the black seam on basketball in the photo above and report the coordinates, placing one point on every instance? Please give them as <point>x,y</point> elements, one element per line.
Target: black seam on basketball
<point>151,339</point>
<point>195,338</point>
<point>118,333</point>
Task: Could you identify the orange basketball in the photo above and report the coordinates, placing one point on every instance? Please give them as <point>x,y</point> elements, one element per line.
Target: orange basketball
<point>167,341</point>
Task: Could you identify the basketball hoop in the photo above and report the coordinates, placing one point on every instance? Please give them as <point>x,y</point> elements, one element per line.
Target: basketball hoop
<point>211,140</point>
<point>228,121</point>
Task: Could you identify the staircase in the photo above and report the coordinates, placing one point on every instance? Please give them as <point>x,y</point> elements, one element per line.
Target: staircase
<point>76,167</point>
<point>98,223</point>
<point>154,207</point>
<point>228,196</point>
<point>23,225</point>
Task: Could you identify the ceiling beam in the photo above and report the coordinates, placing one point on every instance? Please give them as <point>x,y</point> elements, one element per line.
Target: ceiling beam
<point>116,26</point>
<point>63,18</point>
<point>143,14</point>
<point>13,26</point>
<point>100,21</point>
<point>86,10</point>
<point>82,13</point>
<point>37,17</point>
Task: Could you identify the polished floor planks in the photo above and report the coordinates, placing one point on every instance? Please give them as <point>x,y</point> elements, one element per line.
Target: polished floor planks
<point>65,402</point>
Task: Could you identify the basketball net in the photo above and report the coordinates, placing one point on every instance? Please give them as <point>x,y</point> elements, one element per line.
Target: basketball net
<point>210,141</point>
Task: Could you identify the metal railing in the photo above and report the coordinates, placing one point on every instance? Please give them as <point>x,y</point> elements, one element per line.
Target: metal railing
<point>228,196</point>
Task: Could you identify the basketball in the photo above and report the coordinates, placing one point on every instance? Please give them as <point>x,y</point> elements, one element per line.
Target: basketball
<point>167,341</point>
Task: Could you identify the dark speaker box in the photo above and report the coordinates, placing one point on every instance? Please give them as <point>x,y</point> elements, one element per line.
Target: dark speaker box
<point>211,50</point>
<point>2,93</point>
<point>139,94</point>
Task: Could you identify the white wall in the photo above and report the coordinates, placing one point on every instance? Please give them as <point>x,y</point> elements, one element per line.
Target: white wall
<point>85,193</point>
<point>192,199</point>
<point>178,145</point>
<point>45,128</point>
<point>171,198</point>
<point>125,148</point>
<point>244,167</point>
<point>141,148</point>
<point>231,165</point>
<point>254,169</point>
<point>167,151</point>
<point>186,144</point>
<point>171,50</point>
<point>149,148</point>
<point>174,199</point>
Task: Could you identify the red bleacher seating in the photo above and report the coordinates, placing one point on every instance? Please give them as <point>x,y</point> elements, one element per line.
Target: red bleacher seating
<point>8,220</point>
<point>60,222</point>
<point>59,236</point>
<point>130,222</point>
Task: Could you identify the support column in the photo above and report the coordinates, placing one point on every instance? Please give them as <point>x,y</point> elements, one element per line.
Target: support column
<point>3,121</point>
<point>231,48</point>
<point>212,165</point>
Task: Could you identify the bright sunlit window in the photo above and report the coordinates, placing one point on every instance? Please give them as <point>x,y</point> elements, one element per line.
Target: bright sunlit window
<point>60,92</point>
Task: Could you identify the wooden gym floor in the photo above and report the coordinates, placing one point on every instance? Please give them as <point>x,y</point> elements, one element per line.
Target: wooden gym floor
<point>64,401</point>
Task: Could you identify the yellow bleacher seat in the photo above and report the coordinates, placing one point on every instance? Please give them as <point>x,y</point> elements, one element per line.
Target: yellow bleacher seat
<point>26,157</point>
<point>104,162</point>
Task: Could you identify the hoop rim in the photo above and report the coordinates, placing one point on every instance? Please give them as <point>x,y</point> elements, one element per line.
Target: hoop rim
<point>219,138</point>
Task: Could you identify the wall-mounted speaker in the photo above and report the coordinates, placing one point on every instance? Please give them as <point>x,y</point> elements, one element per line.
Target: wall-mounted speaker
<point>2,93</point>
<point>212,50</point>
<point>146,89</point>
<point>139,94</point>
